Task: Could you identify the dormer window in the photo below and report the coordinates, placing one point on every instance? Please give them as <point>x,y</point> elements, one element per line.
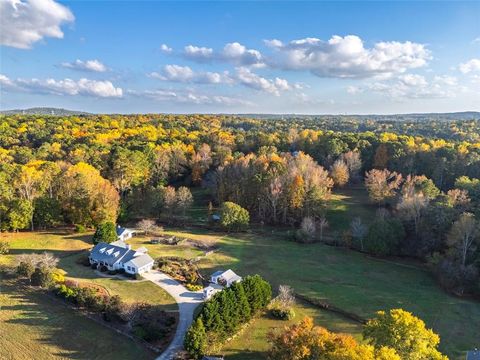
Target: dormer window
<point>102,250</point>
<point>110,251</point>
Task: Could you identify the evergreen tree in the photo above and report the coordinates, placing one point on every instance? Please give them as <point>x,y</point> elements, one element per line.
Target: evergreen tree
<point>105,232</point>
<point>196,339</point>
<point>242,302</point>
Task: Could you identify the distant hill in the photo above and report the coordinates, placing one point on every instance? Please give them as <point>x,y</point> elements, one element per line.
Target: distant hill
<point>43,111</point>
<point>465,115</point>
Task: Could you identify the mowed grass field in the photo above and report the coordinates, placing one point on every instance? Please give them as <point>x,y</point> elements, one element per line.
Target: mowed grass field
<point>36,326</point>
<point>353,282</point>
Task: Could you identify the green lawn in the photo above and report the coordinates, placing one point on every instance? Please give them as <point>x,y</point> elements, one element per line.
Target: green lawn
<point>36,326</point>
<point>69,248</point>
<point>347,204</point>
<point>251,343</point>
<point>350,280</point>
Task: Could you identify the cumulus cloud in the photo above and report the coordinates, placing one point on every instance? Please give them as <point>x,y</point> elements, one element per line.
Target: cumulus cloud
<point>472,65</point>
<point>242,76</point>
<point>200,54</point>
<point>234,53</point>
<point>166,49</point>
<point>410,86</point>
<point>86,87</point>
<point>347,57</point>
<point>247,78</point>
<point>23,23</point>
<point>189,97</point>
<point>88,65</point>
<point>185,74</point>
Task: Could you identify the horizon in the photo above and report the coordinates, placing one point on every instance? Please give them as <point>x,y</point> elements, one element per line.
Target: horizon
<point>229,57</point>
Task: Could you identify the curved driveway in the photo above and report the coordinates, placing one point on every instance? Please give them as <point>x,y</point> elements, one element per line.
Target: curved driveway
<point>187,302</point>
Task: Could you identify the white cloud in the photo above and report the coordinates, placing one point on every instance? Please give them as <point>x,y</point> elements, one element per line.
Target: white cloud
<point>166,49</point>
<point>476,40</point>
<point>234,53</point>
<point>88,65</point>
<point>189,97</point>
<point>353,90</point>
<point>410,86</point>
<point>247,78</point>
<point>346,57</point>
<point>242,76</point>
<point>22,23</point>
<point>472,65</point>
<point>201,54</point>
<point>238,54</point>
<point>185,74</point>
<point>87,87</point>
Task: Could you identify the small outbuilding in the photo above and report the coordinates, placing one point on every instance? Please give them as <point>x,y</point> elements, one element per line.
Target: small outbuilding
<point>225,278</point>
<point>124,234</point>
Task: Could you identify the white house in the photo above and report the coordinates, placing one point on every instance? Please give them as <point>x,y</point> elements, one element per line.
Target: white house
<point>118,255</point>
<point>124,234</point>
<point>225,278</point>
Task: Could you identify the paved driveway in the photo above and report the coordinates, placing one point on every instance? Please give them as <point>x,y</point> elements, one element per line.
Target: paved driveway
<point>187,302</point>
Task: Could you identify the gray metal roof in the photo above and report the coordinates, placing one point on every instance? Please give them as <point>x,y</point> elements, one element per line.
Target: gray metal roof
<point>141,260</point>
<point>108,253</point>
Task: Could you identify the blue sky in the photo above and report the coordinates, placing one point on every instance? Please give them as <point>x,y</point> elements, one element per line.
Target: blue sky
<point>241,57</point>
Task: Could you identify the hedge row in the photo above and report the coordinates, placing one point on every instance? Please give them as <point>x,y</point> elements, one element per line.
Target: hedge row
<point>224,314</point>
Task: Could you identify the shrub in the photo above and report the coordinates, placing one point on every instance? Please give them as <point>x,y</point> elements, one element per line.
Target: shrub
<point>103,268</point>
<point>25,269</point>
<point>282,313</point>
<point>138,277</point>
<point>42,276</point>
<point>194,287</point>
<point>105,232</point>
<point>4,247</point>
<point>58,277</point>
<point>83,260</point>
<point>234,217</point>
<point>384,237</point>
<point>80,229</point>
<point>112,272</point>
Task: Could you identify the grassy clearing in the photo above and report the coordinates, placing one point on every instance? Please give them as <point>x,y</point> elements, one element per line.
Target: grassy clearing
<point>251,343</point>
<point>35,326</point>
<point>347,204</point>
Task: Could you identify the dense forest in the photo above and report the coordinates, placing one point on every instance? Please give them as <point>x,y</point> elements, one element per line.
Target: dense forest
<point>424,177</point>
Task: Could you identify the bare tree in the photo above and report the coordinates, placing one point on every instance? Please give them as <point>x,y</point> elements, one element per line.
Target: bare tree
<point>358,230</point>
<point>354,164</point>
<point>148,226</point>
<point>286,296</point>
<point>322,225</point>
<point>463,236</point>
<point>308,227</point>
<point>184,199</point>
<point>411,207</point>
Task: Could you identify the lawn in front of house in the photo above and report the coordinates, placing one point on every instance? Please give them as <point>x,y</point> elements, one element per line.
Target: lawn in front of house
<point>37,326</point>
<point>71,247</point>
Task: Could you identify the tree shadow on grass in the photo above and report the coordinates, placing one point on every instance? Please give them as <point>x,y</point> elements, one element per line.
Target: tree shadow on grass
<point>70,334</point>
